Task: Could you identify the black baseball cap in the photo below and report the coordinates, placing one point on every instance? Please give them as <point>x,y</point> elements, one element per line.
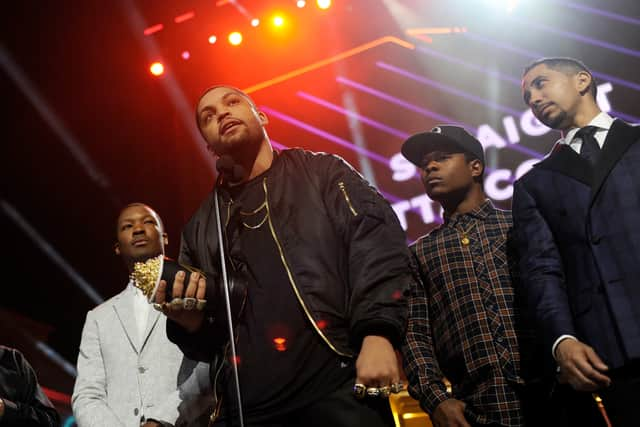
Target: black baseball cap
<point>441,137</point>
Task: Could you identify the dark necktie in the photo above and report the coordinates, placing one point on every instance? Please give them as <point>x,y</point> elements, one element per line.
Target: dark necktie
<point>590,149</point>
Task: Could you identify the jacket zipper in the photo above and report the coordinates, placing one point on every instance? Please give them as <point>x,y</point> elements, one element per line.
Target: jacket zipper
<point>218,400</point>
<point>346,197</point>
<point>290,275</point>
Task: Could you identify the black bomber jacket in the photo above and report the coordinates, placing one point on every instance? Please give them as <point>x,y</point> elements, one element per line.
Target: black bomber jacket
<point>339,241</point>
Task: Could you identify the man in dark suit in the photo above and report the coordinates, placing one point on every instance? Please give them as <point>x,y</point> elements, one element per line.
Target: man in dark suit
<point>577,226</point>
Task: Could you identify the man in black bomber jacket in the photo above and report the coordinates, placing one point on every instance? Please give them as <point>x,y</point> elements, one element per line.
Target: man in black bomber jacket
<point>329,271</point>
<point>22,401</point>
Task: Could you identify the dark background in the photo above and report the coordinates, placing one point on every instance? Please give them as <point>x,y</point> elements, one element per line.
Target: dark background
<point>87,128</point>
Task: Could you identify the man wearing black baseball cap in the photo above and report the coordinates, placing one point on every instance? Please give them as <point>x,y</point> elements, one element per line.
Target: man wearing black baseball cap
<point>467,329</point>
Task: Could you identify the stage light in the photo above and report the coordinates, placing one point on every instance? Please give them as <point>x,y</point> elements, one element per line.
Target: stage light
<point>235,38</point>
<point>212,39</point>
<point>185,55</point>
<point>278,21</point>
<point>153,29</point>
<point>157,69</point>
<point>323,4</point>
<point>301,3</point>
<point>506,5</point>
<point>184,17</point>
<point>255,22</point>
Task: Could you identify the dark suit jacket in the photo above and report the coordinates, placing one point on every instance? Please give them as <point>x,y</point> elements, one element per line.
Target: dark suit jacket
<point>577,230</point>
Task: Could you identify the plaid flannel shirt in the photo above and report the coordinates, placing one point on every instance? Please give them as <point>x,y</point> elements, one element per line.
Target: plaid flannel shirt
<point>462,321</point>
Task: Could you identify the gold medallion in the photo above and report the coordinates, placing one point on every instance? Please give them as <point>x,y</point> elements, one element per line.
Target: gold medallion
<point>465,240</point>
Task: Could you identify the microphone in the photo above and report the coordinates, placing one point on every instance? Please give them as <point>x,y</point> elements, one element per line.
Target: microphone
<point>231,171</point>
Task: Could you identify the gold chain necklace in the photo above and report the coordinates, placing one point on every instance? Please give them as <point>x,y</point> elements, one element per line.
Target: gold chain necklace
<point>465,234</point>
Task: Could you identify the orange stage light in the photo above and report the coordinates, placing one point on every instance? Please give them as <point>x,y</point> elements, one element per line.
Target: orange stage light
<point>235,38</point>
<point>301,3</point>
<point>157,69</point>
<point>255,22</point>
<point>278,21</point>
<point>323,4</point>
<point>212,39</point>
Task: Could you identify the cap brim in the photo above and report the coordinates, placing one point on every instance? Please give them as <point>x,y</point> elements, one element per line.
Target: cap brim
<point>416,146</point>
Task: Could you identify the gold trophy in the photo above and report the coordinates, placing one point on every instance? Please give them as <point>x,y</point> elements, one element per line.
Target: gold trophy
<point>147,274</point>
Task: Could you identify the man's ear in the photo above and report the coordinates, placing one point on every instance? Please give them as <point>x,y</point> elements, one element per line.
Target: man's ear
<point>165,239</point>
<point>263,118</point>
<point>116,248</point>
<point>476,168</point>
<point>583,82</point>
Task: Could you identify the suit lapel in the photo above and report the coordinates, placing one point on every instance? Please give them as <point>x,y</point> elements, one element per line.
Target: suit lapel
<point>620,137</point>
<point>565,160</point>
<point>152,320</point>
<point>123,307</point>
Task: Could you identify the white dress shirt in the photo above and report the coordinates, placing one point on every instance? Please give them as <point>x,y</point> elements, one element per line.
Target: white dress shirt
<point>140,309</point>
<point>602,121</point>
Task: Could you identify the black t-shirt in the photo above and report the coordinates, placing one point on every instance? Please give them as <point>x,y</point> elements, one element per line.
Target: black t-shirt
<point>283,363</point>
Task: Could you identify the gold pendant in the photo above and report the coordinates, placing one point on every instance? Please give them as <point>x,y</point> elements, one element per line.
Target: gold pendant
<point>465,240</point>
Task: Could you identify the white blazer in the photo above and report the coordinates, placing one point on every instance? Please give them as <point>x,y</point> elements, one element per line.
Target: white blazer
<point>121,379</point>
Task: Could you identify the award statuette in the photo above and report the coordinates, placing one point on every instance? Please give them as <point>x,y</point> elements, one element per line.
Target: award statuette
<point>146,276</point>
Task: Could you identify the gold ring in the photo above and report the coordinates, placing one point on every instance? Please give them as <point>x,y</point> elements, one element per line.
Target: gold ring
<point>359,390</point>
<point>201,304</point>
<point>157,306</point>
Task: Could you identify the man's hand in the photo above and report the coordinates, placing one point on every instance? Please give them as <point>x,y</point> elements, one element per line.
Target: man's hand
<point>377,364</point>
<point>191,320</point>
<point>450,413</point>
<point>580,366</point>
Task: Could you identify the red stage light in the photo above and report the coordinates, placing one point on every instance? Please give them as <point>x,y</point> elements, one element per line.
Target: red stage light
<point>185,55</point>
<point>184,17</point>
<point>157,69</point>
<point>153,29</point>
<point>212,39</point>
<point>323,4</point>
<point>235,38</point>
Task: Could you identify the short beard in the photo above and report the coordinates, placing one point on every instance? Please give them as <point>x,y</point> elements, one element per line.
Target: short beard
<point>244,151</point>
<point>556,122</point>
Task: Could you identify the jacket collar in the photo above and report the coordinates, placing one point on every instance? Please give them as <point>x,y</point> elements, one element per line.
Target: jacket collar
<point>621,136</point>
<point>123,306</point>
<point>565,160</point>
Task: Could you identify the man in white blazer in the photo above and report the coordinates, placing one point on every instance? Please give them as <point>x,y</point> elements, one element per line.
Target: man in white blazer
<point>129,373</point>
